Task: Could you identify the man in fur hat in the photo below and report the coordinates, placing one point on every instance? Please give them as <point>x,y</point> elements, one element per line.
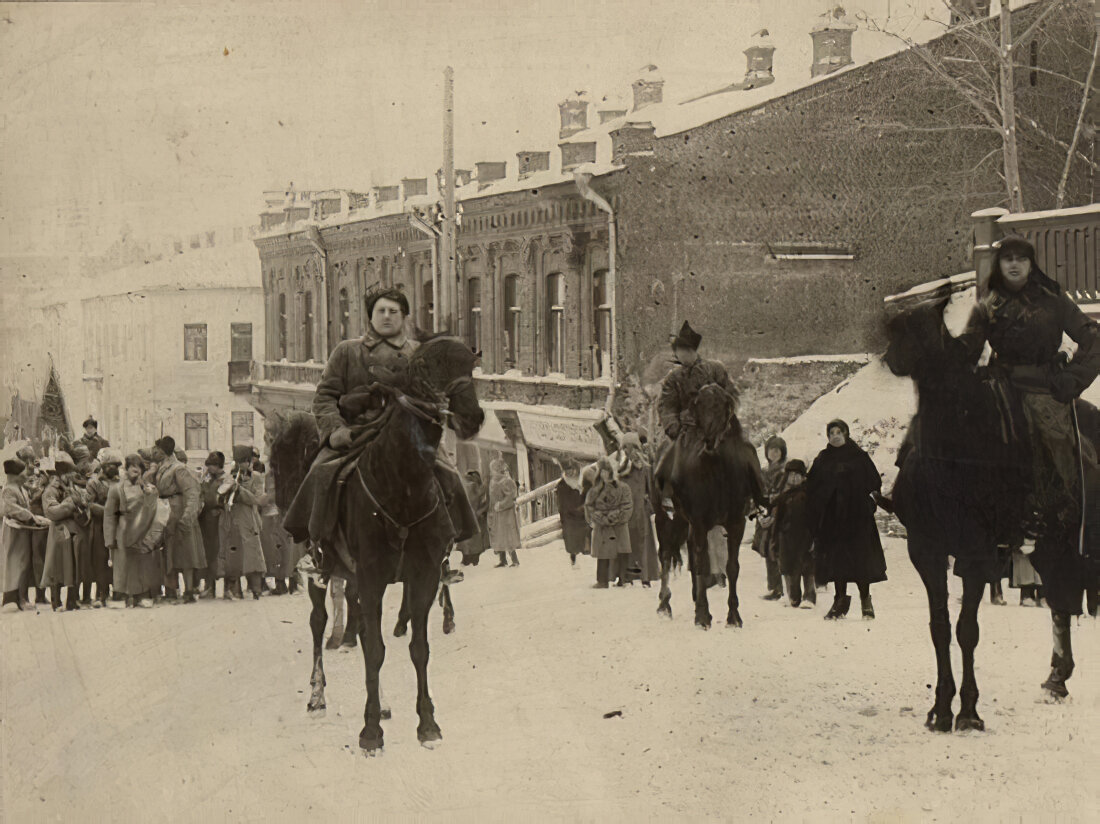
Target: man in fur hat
<point>92,438</point>
<point>182,539</point>
<point>683,383</point>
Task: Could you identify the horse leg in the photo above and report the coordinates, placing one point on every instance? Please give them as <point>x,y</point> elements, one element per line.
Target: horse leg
<point>448,609</point>
<point>336,587</point>
<point>421,597</point>
<point>966,632</point>
<point>402,625</point>
<point>1061,658</point>
<point>664,606</point>
<point>701,577</point>
<point>734,533</point>
<point>374,653</point>
<point>318,618</point>
<point>933,572</point>
<point>355,619</point>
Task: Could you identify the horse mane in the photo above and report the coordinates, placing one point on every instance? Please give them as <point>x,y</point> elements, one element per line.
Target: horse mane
<point>292,451</point>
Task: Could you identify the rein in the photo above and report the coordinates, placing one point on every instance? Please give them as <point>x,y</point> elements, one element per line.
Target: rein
<point>402,529</point>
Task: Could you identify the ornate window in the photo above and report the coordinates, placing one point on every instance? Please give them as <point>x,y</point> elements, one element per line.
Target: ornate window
<point>345,315</point>
<point>555,322</point>
<point>601,325</point>
<point>282,326</point>
<point>194,341</point>
<point>512,315</point>
<point>307,326</point>
<point>473,310</point>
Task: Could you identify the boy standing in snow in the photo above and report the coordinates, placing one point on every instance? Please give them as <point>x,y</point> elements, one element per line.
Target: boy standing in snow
<point>792,534</point>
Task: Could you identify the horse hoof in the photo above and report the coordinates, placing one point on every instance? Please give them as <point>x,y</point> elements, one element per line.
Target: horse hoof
<point>734,620</point>
<point>969,722</point>
<point>664,609</point>
<point>448,627</point>
<point>370,745</point>
<point>334,641</point>
<point>937,722</point>
<point>429,736</point>
<point>385,714</point>
<point>315,710</point>
<point>400,630</point>
<point>703,623</point>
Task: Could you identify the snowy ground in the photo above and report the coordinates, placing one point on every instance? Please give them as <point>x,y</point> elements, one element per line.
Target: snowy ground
<point>198,712</point>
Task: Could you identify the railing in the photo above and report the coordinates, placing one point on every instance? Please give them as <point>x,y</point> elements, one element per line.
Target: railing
<point>284,372</point>
<point>537,512</point>
<point>1067,245</point>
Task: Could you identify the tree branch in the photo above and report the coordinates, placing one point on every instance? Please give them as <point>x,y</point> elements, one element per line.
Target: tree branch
<point>962,127</point>
<point>1035,23</point>
<point>1061,195</point>
<point>1060,143</point>
<point>1066,77</point>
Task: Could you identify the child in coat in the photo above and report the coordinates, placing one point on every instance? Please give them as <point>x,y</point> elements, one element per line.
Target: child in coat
<point>795,542</point>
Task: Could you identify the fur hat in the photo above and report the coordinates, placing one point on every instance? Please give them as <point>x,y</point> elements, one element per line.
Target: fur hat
<point>90,421</point>
<point>80,452</point>
<point>63,459</point>
<point>776,442</point>
<point>166,444</point>
<point>795,467</point>
<point>108,456</point>
<point>687,338</point>
<point>14,466</point>
<point>215,459</point>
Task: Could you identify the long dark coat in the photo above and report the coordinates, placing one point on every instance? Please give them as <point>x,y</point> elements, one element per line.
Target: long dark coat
<point>478,494</point>
<point>608,507</point>
<point>182,540</point>
<point>575,531</point>
<point>241,550</point>
<point>792,532</point>
<point>643,540</point>
<point>210,516</point>
<point>59,503</point>
<point>842,511</point>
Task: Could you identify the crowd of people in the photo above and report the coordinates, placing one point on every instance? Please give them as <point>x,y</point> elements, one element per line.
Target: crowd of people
<point>141,529</point>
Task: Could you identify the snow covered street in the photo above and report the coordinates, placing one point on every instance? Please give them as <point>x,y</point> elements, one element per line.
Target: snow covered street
<point>198,712</point>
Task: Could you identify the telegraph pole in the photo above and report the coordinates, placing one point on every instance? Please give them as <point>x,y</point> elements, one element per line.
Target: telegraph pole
<point>446,300</point>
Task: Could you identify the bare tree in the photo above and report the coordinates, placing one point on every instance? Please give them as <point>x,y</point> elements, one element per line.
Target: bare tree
<point>982,71</point>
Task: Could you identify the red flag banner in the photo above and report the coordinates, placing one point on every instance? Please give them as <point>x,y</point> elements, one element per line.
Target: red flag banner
<point>52,411</point>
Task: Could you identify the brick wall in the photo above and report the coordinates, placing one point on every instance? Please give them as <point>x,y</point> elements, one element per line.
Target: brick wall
<point>825,164</point>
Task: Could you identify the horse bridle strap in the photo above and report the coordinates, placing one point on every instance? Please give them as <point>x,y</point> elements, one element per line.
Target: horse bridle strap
<point>402,529</point>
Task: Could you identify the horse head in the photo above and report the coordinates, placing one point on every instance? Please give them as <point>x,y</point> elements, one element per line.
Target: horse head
<point>714,409</point>
<point>444,365</point>
<point>917,337</point>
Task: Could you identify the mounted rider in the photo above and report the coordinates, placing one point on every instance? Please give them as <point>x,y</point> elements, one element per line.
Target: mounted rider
<point>349,412</point>
<point>678,393</point>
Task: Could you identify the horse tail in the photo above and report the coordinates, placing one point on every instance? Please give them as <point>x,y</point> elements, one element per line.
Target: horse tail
<point>292,452</point>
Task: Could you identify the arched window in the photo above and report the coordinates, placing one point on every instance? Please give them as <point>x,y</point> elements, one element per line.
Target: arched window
<point>282,326</point>
<point>555,322</point>
<point>473,313</point>
<point>345,315</point>
<point>601,323</point>
<point>307,326</point>
<point>512,314</point>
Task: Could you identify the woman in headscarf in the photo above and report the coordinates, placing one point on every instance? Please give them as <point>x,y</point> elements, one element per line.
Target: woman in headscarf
<point>764,538</point>
<point>1023,318</point>
<point>503,524</point>
<point>608,506</point>
<point>635,471</point>
<point>840,486</point>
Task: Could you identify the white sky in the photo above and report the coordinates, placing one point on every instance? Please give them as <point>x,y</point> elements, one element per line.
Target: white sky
<point>131,113</point>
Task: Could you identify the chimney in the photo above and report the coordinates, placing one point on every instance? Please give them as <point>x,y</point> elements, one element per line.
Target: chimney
<point>648,88</point>
<point>759,54</point>
<point>490,170</point>
<point>611,107</point>
<point>574,115</point>
<point>574,154</point>
<point>635,138</point>
<point>414,186</point>
<point>531,162</point>
<point>832,38</point>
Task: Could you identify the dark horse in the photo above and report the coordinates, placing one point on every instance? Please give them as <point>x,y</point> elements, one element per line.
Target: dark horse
<point>961,486</point>
<point>711,482</point>
<point>394,519</point>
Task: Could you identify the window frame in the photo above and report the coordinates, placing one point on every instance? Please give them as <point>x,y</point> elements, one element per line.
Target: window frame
<point>191,423</point>
<point>188,349</point>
